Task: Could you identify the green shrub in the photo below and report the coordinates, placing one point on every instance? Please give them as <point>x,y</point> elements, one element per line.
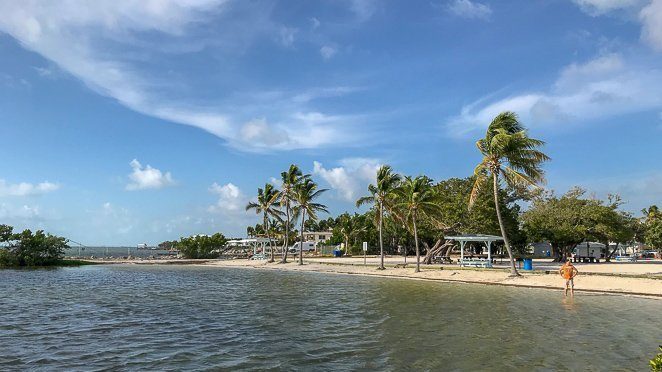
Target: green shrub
<point>656,362</point>
<point>201,246</point>
<point>30,249</point>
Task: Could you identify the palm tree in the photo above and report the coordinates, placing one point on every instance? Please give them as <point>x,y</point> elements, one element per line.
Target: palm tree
<point>380,196</point>
<point>305,194</point>
<point>290,178</point>
<point>348,228</point>
<point>508,152</point>
<point>416,198</point>
<point>267,199</point>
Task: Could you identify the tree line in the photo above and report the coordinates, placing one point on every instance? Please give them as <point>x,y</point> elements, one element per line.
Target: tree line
<point>29,248</point>
<point>409,213</point>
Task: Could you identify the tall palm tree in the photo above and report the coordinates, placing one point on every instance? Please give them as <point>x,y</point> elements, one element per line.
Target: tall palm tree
<point>305,194</point>
<point>348,228</point>
<point>380,197</point>
<point>416,198</point>
<point>510,153</point>
<point>290,178</point>
<point>267,200</point>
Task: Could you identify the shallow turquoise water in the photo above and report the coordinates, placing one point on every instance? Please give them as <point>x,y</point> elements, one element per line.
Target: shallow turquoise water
<point>181,318</point>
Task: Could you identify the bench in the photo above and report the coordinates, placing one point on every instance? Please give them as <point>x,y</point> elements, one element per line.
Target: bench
<point>479,262</point>
<point>626,258</point>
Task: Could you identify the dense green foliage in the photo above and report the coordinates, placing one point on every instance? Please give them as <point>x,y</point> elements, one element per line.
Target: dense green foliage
<point>652,227</point>
<point>30,249</point>
<point>570,219</point>
<point>201,246</point>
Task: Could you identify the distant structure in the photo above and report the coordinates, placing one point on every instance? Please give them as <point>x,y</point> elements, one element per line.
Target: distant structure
<point>317,236</point>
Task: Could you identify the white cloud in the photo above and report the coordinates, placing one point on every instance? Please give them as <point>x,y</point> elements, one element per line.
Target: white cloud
<point>43,71</point>
<point>351,178</point>
<point>286,36</point>
<point>26,189</point>
<point>315,23</point>
<point>259,133</point>
<point>600,7</point>
<point>469,9</point>
<point>651,19</point>
<point>363,9</point>
<point>327,52</point>
<point>605,86</point>
<point>147,177</point>
<point>24,212</point>
<point>230,198</point>
<point>97,42</point>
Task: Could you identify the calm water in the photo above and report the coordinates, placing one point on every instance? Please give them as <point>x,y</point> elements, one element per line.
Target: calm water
<point>174,318</point>
<point>115,252</point>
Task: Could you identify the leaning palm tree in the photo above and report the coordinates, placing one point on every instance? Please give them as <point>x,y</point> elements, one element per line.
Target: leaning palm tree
<point>267,200</point>
<point>510,153</point>
<point>290,178</point>
<point>416,198</point>
<point>380,195</point>
<point>305,194</point>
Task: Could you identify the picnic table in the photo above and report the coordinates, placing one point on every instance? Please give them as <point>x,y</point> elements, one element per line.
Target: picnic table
<point>475,262</point>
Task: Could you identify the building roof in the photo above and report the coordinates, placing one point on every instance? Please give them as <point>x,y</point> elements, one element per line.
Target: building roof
<point>475,238</point>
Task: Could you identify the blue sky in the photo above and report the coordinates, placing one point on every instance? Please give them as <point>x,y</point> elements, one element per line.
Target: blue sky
<point>140,121</point>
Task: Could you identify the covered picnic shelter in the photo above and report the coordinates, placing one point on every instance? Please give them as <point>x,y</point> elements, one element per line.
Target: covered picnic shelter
<point>256,244</point>
<point>480,238</point>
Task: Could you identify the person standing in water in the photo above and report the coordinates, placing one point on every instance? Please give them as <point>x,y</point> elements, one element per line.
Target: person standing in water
<point>568,271</point>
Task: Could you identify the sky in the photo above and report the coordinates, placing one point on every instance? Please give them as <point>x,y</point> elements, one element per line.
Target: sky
<point>131,121</point>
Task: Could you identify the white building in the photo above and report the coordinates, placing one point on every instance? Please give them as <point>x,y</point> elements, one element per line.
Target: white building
<point>317,236</point>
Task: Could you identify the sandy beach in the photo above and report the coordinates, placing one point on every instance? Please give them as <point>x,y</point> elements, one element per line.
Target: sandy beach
<point>643,279</point>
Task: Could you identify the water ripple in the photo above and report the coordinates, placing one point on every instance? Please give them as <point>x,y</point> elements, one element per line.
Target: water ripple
<point>173,318</point>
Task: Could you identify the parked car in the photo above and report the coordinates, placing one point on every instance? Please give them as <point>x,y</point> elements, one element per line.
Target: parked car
<point>307,247</point>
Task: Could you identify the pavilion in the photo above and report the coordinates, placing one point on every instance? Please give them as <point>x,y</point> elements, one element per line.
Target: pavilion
<point>256,244</point>
<point>480,238</point>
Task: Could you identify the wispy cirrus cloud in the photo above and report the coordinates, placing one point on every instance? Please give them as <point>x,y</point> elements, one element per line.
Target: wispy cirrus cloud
<point>470,9</point>
<point>600,7</point>
<point>649,15</point>
<point>26,188</point>
<point>111,47</point>
<point>605,86</point>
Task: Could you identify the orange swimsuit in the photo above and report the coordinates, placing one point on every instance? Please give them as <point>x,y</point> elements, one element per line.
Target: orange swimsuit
<point>567,272</point>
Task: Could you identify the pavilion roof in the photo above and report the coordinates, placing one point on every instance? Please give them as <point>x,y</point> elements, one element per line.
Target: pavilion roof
<point>474,238</point>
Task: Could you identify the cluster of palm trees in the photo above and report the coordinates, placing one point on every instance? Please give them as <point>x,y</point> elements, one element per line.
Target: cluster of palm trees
<point>509,156</point>
<point>295,201</point>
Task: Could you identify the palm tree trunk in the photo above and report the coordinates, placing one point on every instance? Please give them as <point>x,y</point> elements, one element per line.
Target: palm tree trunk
<point>266,230</point>
<point>495,181</point>
<point>418,252</point>
<point>381,242</point>
<point>287,232</point>
<point>303,221</point>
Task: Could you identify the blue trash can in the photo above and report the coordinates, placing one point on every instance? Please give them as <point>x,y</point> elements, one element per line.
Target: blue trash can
<point>528,264</point>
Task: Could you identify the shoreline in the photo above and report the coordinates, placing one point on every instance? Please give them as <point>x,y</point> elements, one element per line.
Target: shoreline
<point>641,280</point>
<point>595,283</point>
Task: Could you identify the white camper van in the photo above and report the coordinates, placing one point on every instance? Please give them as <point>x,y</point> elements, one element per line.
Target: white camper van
<point>590,250</point>
<point>307,247</point>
